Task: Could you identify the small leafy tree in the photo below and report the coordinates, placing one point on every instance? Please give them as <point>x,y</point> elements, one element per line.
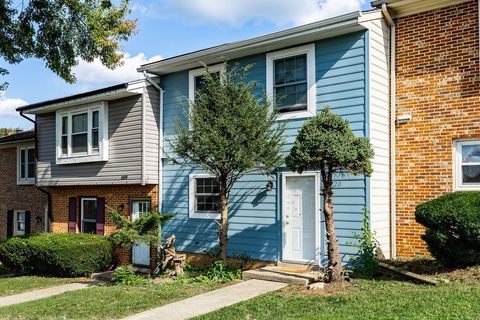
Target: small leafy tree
<point>327,143</point>
<point>232,132</point>
<point>60,32</point>
<point>144,230</point>
<point>8,131</point>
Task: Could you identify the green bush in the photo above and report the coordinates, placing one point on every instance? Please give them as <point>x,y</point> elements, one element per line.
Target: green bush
<point>453,228</point>
<point>57,254</point>
<point>126,276</point>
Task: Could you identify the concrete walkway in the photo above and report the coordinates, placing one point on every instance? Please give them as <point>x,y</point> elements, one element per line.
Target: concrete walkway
<point>45,293</point>
<point>209,301</point>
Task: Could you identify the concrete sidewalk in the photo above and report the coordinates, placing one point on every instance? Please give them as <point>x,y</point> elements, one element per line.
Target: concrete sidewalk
<point>45,293</point>
<point>209,301</point>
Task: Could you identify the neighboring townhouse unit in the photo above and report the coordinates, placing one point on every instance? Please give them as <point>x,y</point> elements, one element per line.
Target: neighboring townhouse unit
<point>340,62</point>
<point>23,207</point>
<point>99,150</point>
<point>436,107</point>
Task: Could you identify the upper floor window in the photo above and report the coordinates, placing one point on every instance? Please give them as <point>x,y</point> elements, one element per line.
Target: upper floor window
<point>291,81</point>
<point>196,81</point>
<point>467,164</point>
<point>82,134</point>
<point>26,165</point>
<point>204,197</point>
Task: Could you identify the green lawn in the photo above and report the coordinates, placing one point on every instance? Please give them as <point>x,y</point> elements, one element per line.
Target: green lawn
<point>104,302</point>
<point>9,286</point>
<point>382,299</point>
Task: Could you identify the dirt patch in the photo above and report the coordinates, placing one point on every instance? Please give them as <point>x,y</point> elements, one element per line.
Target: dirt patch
<point>430,267</point>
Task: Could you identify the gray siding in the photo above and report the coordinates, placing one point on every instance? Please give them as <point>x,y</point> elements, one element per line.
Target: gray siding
<point>152,125</point>
<point>125,156</point>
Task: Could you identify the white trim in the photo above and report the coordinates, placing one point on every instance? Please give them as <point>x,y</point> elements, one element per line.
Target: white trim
<point>457,165</point>
<point>309,50</point>
<point>318,219</point>
<point>89,156</point>
<point>26,180</point>
<point>81,211</point>
<point>192,214</point>
<point>15,222</point>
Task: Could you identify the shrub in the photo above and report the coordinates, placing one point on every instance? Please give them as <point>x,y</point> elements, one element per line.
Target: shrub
<point>126,276</point>
<point>453,228</point>
<point>365,264</point>
<point>57,254</point>
<point>219,272</point>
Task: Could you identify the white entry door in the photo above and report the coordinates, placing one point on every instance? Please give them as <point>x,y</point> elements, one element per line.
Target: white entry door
<point>140,252</point>
<point>299,231</point>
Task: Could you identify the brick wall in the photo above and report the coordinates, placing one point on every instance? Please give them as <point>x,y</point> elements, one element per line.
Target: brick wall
<point>438,84</point>
<point>115,197</point>
<point>18,197</point>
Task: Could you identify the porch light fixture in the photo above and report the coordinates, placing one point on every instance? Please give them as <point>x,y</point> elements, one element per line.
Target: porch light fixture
<point>404,118</point>
<point>269,186</point>
<point>120,207</point>
<point>38,219</point>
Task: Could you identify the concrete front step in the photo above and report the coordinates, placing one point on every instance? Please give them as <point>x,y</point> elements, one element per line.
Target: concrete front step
<point>283,275</point>
<point>105,276</point>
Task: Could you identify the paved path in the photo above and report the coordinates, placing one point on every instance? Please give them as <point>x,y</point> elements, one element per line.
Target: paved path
<point>45,293</point>
<point>209,301</point>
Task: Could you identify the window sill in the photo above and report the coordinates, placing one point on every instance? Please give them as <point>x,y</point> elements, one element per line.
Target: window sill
<point>295,115</point>
<point>468,188</point>
<point>205,215</point>
<point>82,159</point>
<point>26,182</point>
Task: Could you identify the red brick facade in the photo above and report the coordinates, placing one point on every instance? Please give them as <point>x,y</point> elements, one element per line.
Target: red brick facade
<point>438,83</point>
<point>18,197</point>
<point>116,197</point>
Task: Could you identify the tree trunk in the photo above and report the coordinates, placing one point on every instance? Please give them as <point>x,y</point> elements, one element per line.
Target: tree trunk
<point>335,272</point>
<point>223,232</point>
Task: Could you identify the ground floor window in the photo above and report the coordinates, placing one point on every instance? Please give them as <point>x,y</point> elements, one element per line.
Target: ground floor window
<point>88,210</point>
<point>204,197</point>
<point>139,207</point>
<point>467,164</point>
<point>20,220</point>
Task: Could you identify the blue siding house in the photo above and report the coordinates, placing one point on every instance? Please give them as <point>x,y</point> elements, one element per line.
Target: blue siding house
<point>340,62</point>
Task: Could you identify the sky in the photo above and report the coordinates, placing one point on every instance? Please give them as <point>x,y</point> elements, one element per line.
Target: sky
<point>166,28</point>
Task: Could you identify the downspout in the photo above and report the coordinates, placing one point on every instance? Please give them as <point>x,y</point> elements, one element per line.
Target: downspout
<point>393,216</point>
<point>160,140</point>
<point>143,137</point>
<point>48,216</point>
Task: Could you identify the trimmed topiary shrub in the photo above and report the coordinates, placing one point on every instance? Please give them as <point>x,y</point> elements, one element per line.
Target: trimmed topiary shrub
<point>453,228</point>
<point>57,254</point>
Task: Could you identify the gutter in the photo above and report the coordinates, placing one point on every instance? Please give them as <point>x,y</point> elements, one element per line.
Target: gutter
<point>160,141</point>
<point>393,203</point>
<point>48,214</point>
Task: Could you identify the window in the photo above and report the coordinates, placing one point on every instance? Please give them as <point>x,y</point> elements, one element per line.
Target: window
<point>20,219</point>
<point>291,81</point>
<point>88,210</point>
<point>139,207</point>
<point>204,199</point>
<point>82,134</point>
<point>467,164</point>
<point>26,165</point>
<point>196,79</point>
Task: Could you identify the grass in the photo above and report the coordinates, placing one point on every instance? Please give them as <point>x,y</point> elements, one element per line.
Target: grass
<point>9,286</point>
<point>104,302</point>
<point>366,299</point>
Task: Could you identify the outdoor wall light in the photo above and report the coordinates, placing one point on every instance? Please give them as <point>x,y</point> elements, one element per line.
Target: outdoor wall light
<point>269,185</point>
<point>38,219</point>
<point>120,207</point>
<point>404,118</point>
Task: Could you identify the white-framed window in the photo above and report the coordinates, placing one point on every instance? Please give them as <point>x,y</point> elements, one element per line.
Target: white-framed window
<point>82,134</point>
<point>195,78</point>
<point>20,223</point>
<point>467,165</point>
<point>26,165</point>
<point>88,215</point>
<point>204,198</point>
<point>291,81</point>
<point>140,207</point>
